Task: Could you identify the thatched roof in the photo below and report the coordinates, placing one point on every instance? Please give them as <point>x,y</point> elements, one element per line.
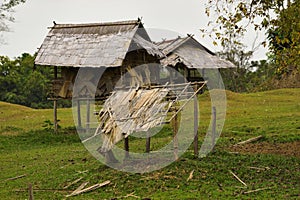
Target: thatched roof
<point>94,44</point>
<point>191,53</point>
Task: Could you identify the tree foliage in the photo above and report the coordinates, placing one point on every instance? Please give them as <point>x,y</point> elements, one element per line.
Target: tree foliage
<point>284,38</point>
<point>20,83</point>
<point>231,19</point>
<point>6,11</point>
<point>236,16</point>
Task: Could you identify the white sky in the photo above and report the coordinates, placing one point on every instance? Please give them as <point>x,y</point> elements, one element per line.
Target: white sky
<point>179,16</point>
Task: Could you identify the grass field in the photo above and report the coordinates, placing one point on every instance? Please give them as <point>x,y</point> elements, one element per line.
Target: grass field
<point>270,167</point>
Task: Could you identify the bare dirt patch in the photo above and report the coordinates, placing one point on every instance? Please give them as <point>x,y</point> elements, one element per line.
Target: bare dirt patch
<point>287,149</point>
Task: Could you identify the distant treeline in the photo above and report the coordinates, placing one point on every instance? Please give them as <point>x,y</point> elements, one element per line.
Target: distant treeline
<point>21,83</point>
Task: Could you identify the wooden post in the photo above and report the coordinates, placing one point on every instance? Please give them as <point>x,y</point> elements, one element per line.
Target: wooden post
<point>110,157</point>
<point>171,76</point>
<point>203,74</point>
<point>196,122</point>
<point>79,114</point>
<point>185,74</point>
<point>175,130</point>
<point>126,147</point>
<point>87,115</point>
<point>55,105</point>
<point>214,124</point>
<point>185,80</point>
<point>55,72</point>
<point>148,141</point>
<point>55,115</point>
<point>30,191</point>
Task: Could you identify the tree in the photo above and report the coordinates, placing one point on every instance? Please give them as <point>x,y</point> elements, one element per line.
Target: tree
<point>284,39</point>
<point>231,19</point>
<point>239,15</point>
<point>21,83</point>
<point>6,10</point>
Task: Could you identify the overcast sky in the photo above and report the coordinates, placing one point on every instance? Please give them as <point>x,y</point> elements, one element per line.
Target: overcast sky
<point>174,16</point>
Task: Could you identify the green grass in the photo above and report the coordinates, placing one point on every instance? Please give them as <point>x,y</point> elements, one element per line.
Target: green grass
<point>17,119</point>
<point>52,161</point>
<point>275,114</point>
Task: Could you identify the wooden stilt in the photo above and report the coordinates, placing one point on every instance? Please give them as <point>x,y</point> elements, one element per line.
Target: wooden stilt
<point>175,130</point>
<point>196,122</point>
<point>55,116</point>
<point>185,74</point>
<point>214,124</point>
<point>148,140</point>
<point>55,72</point>
<point>126,147</point>
<point>30,191</point>
<point>171,76</point>
<point>55,105</point>
<point>79,114</point>
<point>87,115</point>
<point>110,157</point>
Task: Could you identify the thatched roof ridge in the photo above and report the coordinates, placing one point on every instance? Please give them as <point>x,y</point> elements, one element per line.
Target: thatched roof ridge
<point>95,28</point>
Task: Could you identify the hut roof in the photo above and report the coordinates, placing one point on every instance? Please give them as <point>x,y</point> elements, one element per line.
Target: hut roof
<point>93,44</point>
<point>191,53</point>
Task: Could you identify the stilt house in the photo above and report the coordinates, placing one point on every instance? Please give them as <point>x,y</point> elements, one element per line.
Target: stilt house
<point>115,47</point>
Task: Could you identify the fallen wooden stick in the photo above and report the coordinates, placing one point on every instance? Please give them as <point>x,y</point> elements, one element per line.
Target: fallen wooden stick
<point>260,168</point>
<point>250,140</point>
<point>128,195</point>
<point>80,188</point>
<point>17,177</point>
<point>235,176</point>
<point>190,176</point>
<point>72,183</point>
<point>257,190</point>
<point>42,190</point>
<point>131,195</point>
<point>96,186</point>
